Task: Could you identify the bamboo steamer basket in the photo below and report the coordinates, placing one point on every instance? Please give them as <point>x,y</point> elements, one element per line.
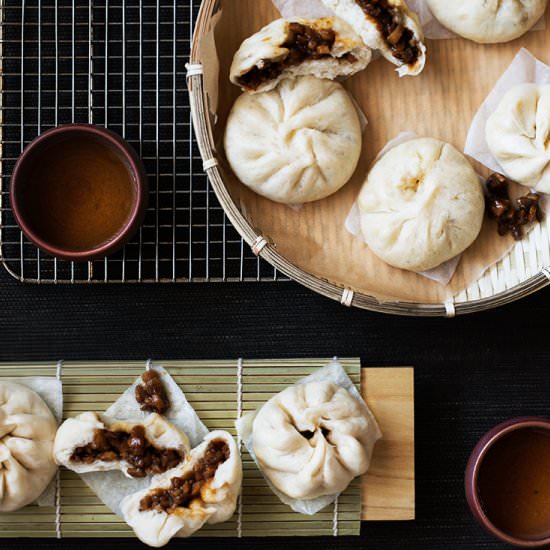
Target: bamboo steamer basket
<point>523,271</point>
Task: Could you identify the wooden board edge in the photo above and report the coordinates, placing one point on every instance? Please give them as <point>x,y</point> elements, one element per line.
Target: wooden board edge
<point>389,487</point>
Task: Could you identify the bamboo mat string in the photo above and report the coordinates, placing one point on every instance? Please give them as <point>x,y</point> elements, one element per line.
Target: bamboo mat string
<point>58,374</point>
<point>335,519</point>
<point>239,440</point>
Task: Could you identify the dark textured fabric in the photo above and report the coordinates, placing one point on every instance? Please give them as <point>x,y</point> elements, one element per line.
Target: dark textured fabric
<point>471,373</point>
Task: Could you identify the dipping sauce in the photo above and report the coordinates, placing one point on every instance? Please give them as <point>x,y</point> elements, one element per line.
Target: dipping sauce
<point>514,483</point>
<point>78,193</point>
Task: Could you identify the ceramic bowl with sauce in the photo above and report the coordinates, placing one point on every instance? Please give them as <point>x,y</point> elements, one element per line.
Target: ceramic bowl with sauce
<point>79,192</point>
<point>507,482</point>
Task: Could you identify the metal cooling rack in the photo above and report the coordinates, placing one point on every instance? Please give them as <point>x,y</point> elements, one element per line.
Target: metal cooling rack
<point>118,63</point>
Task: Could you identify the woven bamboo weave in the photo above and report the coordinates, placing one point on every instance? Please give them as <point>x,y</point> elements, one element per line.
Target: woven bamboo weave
<point>522,272</point>
<point>212,388</point>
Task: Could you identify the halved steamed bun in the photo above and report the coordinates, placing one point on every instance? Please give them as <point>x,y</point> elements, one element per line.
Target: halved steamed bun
<point>178,503</point>
<point>298,143</point>
<point>88,443</point>
<point>325,48</point>
<point>518,135</point>
<point>488,21</point>
<point>389,26</point>
<point>27,431</point>
<point>421,205</point>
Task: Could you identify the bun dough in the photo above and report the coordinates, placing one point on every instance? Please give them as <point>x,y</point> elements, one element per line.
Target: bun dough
<point>311,440</point>
<point>270,46</point>
<point>298,143</point>
<point>215,504</point>
<point>488,21</point>
<point>79,431</point>
<point>27,431</point>
<point>518,135</point>
<point>372,33</point>
<point>421,205</point>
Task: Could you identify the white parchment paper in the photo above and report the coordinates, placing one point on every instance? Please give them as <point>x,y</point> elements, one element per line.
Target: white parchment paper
<point>51,391</point>
<point>112,487</point>
<point>333,372</point>
<point>310,9</point>
<point>441,274</point>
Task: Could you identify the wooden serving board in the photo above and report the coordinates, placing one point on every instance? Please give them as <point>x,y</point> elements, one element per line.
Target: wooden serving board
<point>389,488</point>
<point>386,493</point>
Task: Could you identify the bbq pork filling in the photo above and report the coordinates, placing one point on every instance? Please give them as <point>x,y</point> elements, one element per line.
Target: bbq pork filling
<point>183,490</point>
<point>132,447</point>
<point>400,40</point>
<point>303,43</point>
<point>150,394</point>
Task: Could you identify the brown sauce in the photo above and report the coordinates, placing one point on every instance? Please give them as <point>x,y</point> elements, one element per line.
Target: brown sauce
<point>514,484</point>
<point>398,38</point>
<point>303,42</point>
<point>133,447</point>
<point>183,490</point>
<point>78,194</point>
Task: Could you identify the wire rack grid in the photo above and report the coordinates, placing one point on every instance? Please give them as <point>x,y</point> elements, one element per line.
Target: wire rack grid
<point>119,64</point>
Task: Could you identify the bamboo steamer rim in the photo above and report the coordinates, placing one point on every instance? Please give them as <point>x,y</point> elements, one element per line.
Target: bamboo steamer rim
<point>262,247</point>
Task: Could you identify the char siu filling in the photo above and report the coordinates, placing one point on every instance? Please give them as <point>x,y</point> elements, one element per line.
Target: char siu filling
<point>143,457</point>
<point>150,394</point>
<point>183,490</point>
<point>400,39</point>
<point>302,43</point>
<point>307,434</point>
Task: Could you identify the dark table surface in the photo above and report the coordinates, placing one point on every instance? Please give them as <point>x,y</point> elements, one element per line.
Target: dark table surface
<point>471,373</point>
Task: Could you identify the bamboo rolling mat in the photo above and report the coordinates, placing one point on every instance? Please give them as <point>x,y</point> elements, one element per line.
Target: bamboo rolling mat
<point>212,389</point>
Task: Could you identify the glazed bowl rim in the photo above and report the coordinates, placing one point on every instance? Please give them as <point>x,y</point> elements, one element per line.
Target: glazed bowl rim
<point>114,142</point>
<point>472,475</point>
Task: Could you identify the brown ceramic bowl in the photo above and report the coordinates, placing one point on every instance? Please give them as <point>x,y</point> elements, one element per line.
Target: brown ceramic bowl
<point>57,136</point>
<point>472,473</point>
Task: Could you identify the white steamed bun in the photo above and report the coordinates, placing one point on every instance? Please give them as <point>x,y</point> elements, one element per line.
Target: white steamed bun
<point>518,135</point>
<point>488,21</point>
<point>298,143</point>
<point>313,439</point>
<point>421,205</point>
<point>27,431</point>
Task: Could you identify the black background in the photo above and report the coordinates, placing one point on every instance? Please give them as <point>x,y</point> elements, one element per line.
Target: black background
<point>471,373</point>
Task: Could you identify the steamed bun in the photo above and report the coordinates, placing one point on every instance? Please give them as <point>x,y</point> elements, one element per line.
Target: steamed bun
<point>80,432</point>
<point>325,48</point>
<point>298,143</point>
<point>205,489</point>
<point>488,21</point>
<point>390,27</point>
<point>421,205</point>
<point>27,431</point>
<point>518,135</point>
<point>313,439</point>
